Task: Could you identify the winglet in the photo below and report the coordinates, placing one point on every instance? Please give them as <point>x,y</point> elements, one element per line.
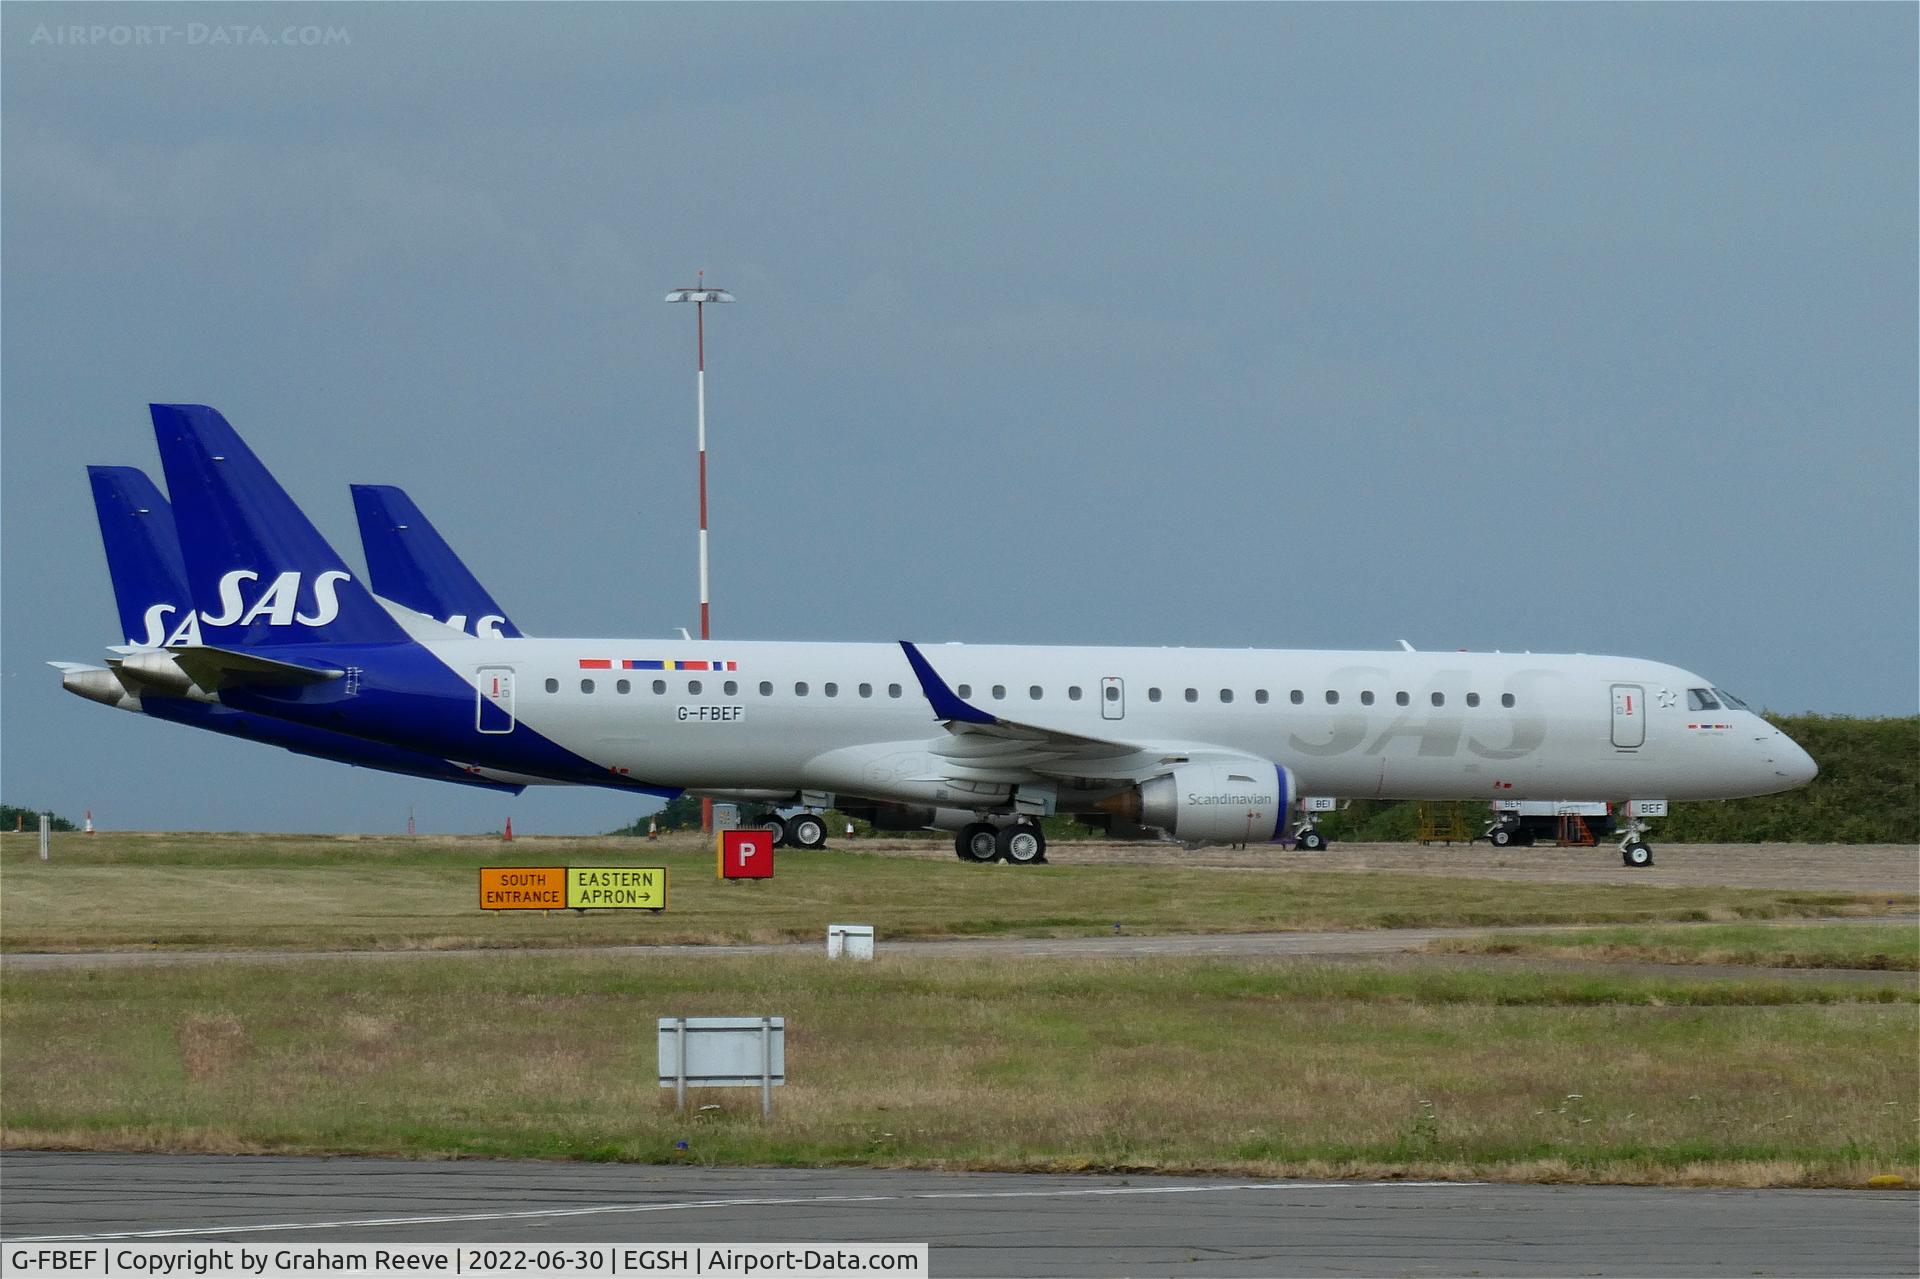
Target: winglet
<point>946,704</point>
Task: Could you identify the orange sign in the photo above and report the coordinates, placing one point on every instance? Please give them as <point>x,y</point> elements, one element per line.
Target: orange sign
<point>523,888</point>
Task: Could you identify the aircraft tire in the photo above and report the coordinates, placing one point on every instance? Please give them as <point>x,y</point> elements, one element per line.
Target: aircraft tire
<point>1022,845</point>
<point>807,831</point>
<point>977,843</point>
<point>1637,855</point>
<point>778,825</point>
<point>1311,840</point>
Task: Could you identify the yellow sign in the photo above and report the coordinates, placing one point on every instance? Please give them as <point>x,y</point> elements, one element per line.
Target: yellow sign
<point>523,887</point>
<point>617,887</point>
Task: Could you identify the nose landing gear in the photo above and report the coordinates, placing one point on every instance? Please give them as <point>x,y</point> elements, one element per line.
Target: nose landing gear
<point>1635,851</point>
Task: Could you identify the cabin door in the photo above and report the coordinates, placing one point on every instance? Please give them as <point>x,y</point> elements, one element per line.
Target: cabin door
<point>493,713</point>
<point>1113,698</point>
<point>1629,716</point>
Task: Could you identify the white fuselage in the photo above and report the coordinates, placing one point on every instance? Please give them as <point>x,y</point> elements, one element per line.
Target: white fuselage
<point>852,719</point>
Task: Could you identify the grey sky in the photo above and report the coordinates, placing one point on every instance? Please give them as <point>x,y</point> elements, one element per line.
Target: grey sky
<point>1553,327</point>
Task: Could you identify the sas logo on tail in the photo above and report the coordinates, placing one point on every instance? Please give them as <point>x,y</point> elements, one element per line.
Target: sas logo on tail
<point>278,605</point>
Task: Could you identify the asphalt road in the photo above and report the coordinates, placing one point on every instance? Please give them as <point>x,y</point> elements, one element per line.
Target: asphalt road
<point>976,1223</point>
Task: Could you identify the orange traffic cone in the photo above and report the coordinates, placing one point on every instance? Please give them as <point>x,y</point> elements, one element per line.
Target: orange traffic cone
<point>508,837</point>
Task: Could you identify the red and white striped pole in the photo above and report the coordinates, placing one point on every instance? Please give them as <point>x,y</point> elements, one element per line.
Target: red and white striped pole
<point>700,295</point>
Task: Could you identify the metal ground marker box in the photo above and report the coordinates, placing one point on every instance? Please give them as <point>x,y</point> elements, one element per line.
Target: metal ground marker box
<point>849,941</point>
<point>723,1052</point>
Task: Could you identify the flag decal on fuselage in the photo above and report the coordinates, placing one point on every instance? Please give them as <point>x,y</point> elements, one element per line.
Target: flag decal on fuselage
<point>652,664</point>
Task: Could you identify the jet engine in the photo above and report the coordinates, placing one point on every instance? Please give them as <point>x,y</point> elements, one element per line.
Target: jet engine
<point>1233,801</point>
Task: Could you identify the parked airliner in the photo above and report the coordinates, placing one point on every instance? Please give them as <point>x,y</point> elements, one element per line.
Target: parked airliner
<point>150,592</point>
<point>1195,745</point>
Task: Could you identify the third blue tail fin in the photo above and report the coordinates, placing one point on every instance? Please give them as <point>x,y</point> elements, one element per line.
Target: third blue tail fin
<point>412,565</point>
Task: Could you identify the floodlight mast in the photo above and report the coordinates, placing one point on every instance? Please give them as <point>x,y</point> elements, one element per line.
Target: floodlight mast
<point>700,295</point>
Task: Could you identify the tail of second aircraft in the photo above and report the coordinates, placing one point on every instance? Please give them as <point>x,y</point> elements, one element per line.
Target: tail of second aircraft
<point>412,565</point>
<point>143,558</point>
<point>261,574</point>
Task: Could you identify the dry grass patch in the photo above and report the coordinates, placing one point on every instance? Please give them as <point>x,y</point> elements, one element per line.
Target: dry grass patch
<point>1888,947</point>
<point>1266,1067</point>
<point>317,893</point>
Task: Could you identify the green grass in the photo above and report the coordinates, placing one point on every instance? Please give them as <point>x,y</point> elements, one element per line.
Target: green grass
<point>1248,1067</point>
<point>310,893</point>
<point>1894,947</point>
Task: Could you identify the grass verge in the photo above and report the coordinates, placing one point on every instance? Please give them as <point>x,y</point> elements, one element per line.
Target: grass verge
<point>1266,1068</point>
<point>320,893</point>
<point>1885,947</point>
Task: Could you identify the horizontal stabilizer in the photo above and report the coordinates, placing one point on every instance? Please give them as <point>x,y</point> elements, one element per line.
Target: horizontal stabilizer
<point>217,668</point>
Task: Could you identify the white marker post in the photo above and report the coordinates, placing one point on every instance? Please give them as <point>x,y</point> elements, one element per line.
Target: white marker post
<point>46,825</point>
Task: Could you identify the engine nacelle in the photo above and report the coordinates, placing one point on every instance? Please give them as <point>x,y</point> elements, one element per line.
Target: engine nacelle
<point>1237,801</point>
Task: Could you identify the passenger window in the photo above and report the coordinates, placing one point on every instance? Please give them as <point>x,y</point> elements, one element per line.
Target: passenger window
<point>1473,699</point>
<point>1401,699</point>
<point>866,690</point>
<point>1296,697</point>
<point>622,686</point>
<point>1073,692</point>
<point>1333,698</point>
<point>1439,699</point>
<point>893,690</point>
<point>1260,696</point>
<point>1193,694</point>
<point>730,687</point>
<point>553,686</point>
<point>800,689</point>
<point>1153,694</point>
<point>1506,699</point>
<point>693,687</point>
<point>1366,697</point>
<point>965,690</point>
<point>1700,699</point>
<point>1034,692</point>
<point>999,692</point>
<point>766,688</point>
<point>659,686</point>
<point>586,686</point>
<point>831,690</point>
<point>1113,693</point>
<point>1226,695</point>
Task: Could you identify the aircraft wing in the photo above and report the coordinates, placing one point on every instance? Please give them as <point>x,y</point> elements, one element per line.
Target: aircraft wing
<point>984,747</point>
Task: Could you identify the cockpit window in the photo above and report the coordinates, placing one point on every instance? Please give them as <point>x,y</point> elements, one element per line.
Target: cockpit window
<point>1701,699</point>
<point>1730,700</point>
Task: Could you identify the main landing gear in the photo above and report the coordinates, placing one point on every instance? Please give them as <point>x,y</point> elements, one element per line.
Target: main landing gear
<point>802,830</point>
<point>1019,842</point>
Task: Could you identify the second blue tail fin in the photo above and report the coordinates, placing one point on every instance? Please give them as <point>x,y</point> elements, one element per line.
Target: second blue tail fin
<point>260,572</point>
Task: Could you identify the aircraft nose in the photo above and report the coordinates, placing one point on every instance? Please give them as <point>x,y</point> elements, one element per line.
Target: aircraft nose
<point>1792,762</point>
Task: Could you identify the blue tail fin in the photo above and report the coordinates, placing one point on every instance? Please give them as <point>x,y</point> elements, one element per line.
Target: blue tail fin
<point>143,557</point>
<point>411,564</point>
<point>260,573</point>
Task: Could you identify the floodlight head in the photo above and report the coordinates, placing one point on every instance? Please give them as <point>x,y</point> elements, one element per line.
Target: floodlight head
<point>699,295</point>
